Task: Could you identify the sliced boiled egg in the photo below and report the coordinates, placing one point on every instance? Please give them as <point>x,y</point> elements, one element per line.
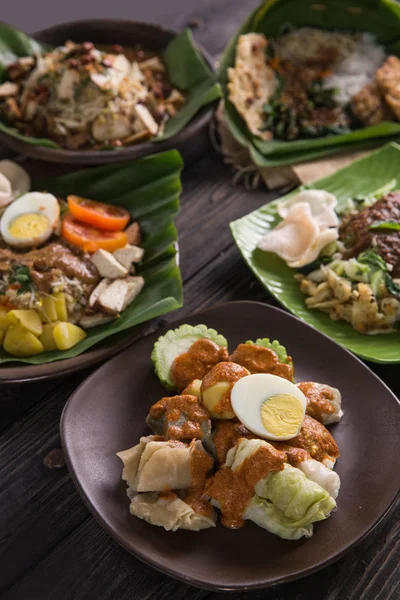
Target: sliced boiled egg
<point>30,220</point>
<point>269,406</point>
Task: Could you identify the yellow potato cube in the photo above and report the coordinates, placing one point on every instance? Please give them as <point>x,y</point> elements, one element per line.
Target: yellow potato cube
<point>61,306</point>
<point>48,310</point>
<point>29,319</point>
<point>21,342</point>
<point>67,335</point>
<point>47,337</point>
<point>4,322</point>
<point>2,334</point>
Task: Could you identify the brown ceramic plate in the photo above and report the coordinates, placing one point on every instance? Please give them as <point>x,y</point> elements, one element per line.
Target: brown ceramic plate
<point>192,141</point>
<point>107,413</point>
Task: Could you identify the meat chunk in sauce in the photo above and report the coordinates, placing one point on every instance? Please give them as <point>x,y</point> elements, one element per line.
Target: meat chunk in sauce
<point>258,359</point>
<point>317,441</point>
<point>181,418</point>
<point>355,234</point>
<point>225,436</point>
<point>196,362</point>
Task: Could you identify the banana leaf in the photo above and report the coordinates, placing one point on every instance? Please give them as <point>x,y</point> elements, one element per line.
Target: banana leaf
<point>149,189</point>
<point>381,17</point>
<point>362,177</point>
<point>186,67</point>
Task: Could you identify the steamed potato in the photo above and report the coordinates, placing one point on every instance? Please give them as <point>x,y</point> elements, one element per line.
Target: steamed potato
<point>18,341</point>
<point>47,311</point>
<point>4,322</point>
<point>61,306</point>
<point>67,335</point>
<point>28,319</point>
<point>47,336</point>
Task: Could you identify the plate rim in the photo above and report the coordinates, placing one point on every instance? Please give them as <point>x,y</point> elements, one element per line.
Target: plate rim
<point>169,571</point>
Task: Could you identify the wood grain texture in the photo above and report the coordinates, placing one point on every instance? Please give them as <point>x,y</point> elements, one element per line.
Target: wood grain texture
<point>50,546</point>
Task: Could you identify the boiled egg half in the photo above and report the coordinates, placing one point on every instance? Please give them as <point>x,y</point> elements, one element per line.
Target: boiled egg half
<point>30,220</point>
<point>269,406</point>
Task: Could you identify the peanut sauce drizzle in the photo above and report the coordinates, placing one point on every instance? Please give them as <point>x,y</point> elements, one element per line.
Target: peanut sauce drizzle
<point>172,408</point>
<point>196,362</point>
<point>258,359</point>
<point>319,401</point>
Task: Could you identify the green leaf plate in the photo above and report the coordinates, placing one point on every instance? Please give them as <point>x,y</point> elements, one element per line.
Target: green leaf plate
<point>149,188</point>
<point>361,177</point>
<point>381,17</point>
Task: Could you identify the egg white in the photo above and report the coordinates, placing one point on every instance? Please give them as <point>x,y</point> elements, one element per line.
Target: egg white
<point>248,395</point>
<point>30,203</point>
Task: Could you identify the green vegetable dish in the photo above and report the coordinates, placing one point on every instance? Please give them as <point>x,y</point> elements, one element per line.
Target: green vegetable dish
<point>302,80</point>
<point>240,437</point>
<point>331,253</point>
<point>82,97</point>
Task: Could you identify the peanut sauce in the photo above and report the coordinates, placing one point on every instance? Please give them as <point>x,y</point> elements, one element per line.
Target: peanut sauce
<point>226,434</point>
<point>258,359</point>
<point>171,409</point>
<point>228,372</point>
<point>319,401</point>
<point>201,464</point>
<point>196,362</point>
<point>234,489</point>
<point>316,439</point>
<point>294,456</point>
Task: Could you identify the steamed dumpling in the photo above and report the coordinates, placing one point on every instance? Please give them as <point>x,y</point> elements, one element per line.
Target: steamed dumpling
<point>181,418</point>
<point>156,466</point>
<point>170,512</point>
<point>324,403</point>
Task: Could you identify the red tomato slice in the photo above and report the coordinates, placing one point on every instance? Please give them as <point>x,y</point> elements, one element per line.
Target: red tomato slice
<point>100,215</point>
<point>89,238</point>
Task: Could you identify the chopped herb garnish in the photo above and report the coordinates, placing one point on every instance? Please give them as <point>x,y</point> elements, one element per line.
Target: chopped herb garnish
<point>20,274</point>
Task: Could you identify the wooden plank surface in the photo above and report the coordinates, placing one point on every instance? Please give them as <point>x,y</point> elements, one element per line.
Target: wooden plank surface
<point>50,546</point>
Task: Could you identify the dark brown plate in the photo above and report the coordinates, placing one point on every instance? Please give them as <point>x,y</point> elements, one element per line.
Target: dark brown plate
<point>107,413</point>
<point>192,141</point>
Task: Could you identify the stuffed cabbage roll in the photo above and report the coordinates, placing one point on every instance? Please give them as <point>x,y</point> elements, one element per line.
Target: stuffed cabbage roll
<point>324,403</point>
<point>171,512</point>
<point>187,353</point>
<point>317,441</point>
<point>313,469</point>
<point>264,356</point>
<point>157,466</point>
<point>181,418</point>
<point>216,388</point>
<point>288,503</point>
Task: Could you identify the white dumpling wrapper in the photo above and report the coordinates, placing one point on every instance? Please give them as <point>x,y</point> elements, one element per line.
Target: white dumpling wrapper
<point>170,513</point>
<point>329,418</point>
<point>156,466</point>
<point>321,474</point>
<point>321,203</point>
<point>14,181</point>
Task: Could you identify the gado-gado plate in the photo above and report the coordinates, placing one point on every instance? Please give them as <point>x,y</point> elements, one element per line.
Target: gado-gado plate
<point>149,189</point>
<point>190,68</point>
<point>362,177</point>
<point>106,414</point>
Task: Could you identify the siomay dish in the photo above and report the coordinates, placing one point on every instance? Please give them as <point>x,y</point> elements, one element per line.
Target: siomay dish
<point>108,412</point>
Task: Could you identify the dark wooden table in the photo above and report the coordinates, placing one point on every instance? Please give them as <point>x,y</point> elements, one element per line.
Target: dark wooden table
<point>50,545</point>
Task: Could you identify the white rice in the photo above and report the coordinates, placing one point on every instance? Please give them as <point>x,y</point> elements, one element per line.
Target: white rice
<point>357,69</point>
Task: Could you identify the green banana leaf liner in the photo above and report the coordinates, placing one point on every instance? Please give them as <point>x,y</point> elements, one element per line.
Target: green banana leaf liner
<point>187,70</point>
<point>149,189</point>
<point>363,177</point>
<point>381,17</point>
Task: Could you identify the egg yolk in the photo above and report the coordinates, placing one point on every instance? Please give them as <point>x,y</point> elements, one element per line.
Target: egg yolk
<point>282,414</point>
<point>28,226</point>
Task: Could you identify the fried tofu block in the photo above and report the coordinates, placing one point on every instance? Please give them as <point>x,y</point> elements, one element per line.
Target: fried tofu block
<point>107,265</point>
<point>120,294</point>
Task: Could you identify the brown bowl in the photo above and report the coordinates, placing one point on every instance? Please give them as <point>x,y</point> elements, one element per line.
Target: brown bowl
<point>192,141</point>
<point>106,414</point>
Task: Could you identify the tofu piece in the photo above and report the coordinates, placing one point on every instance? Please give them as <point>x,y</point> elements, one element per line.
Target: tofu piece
<point>120,293</point>
<point>95,320</point>
<point>133,234</point>
<point>107,265</point>
<point>98,290</point>
<point>128,254</point>
<point>145,116</point>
